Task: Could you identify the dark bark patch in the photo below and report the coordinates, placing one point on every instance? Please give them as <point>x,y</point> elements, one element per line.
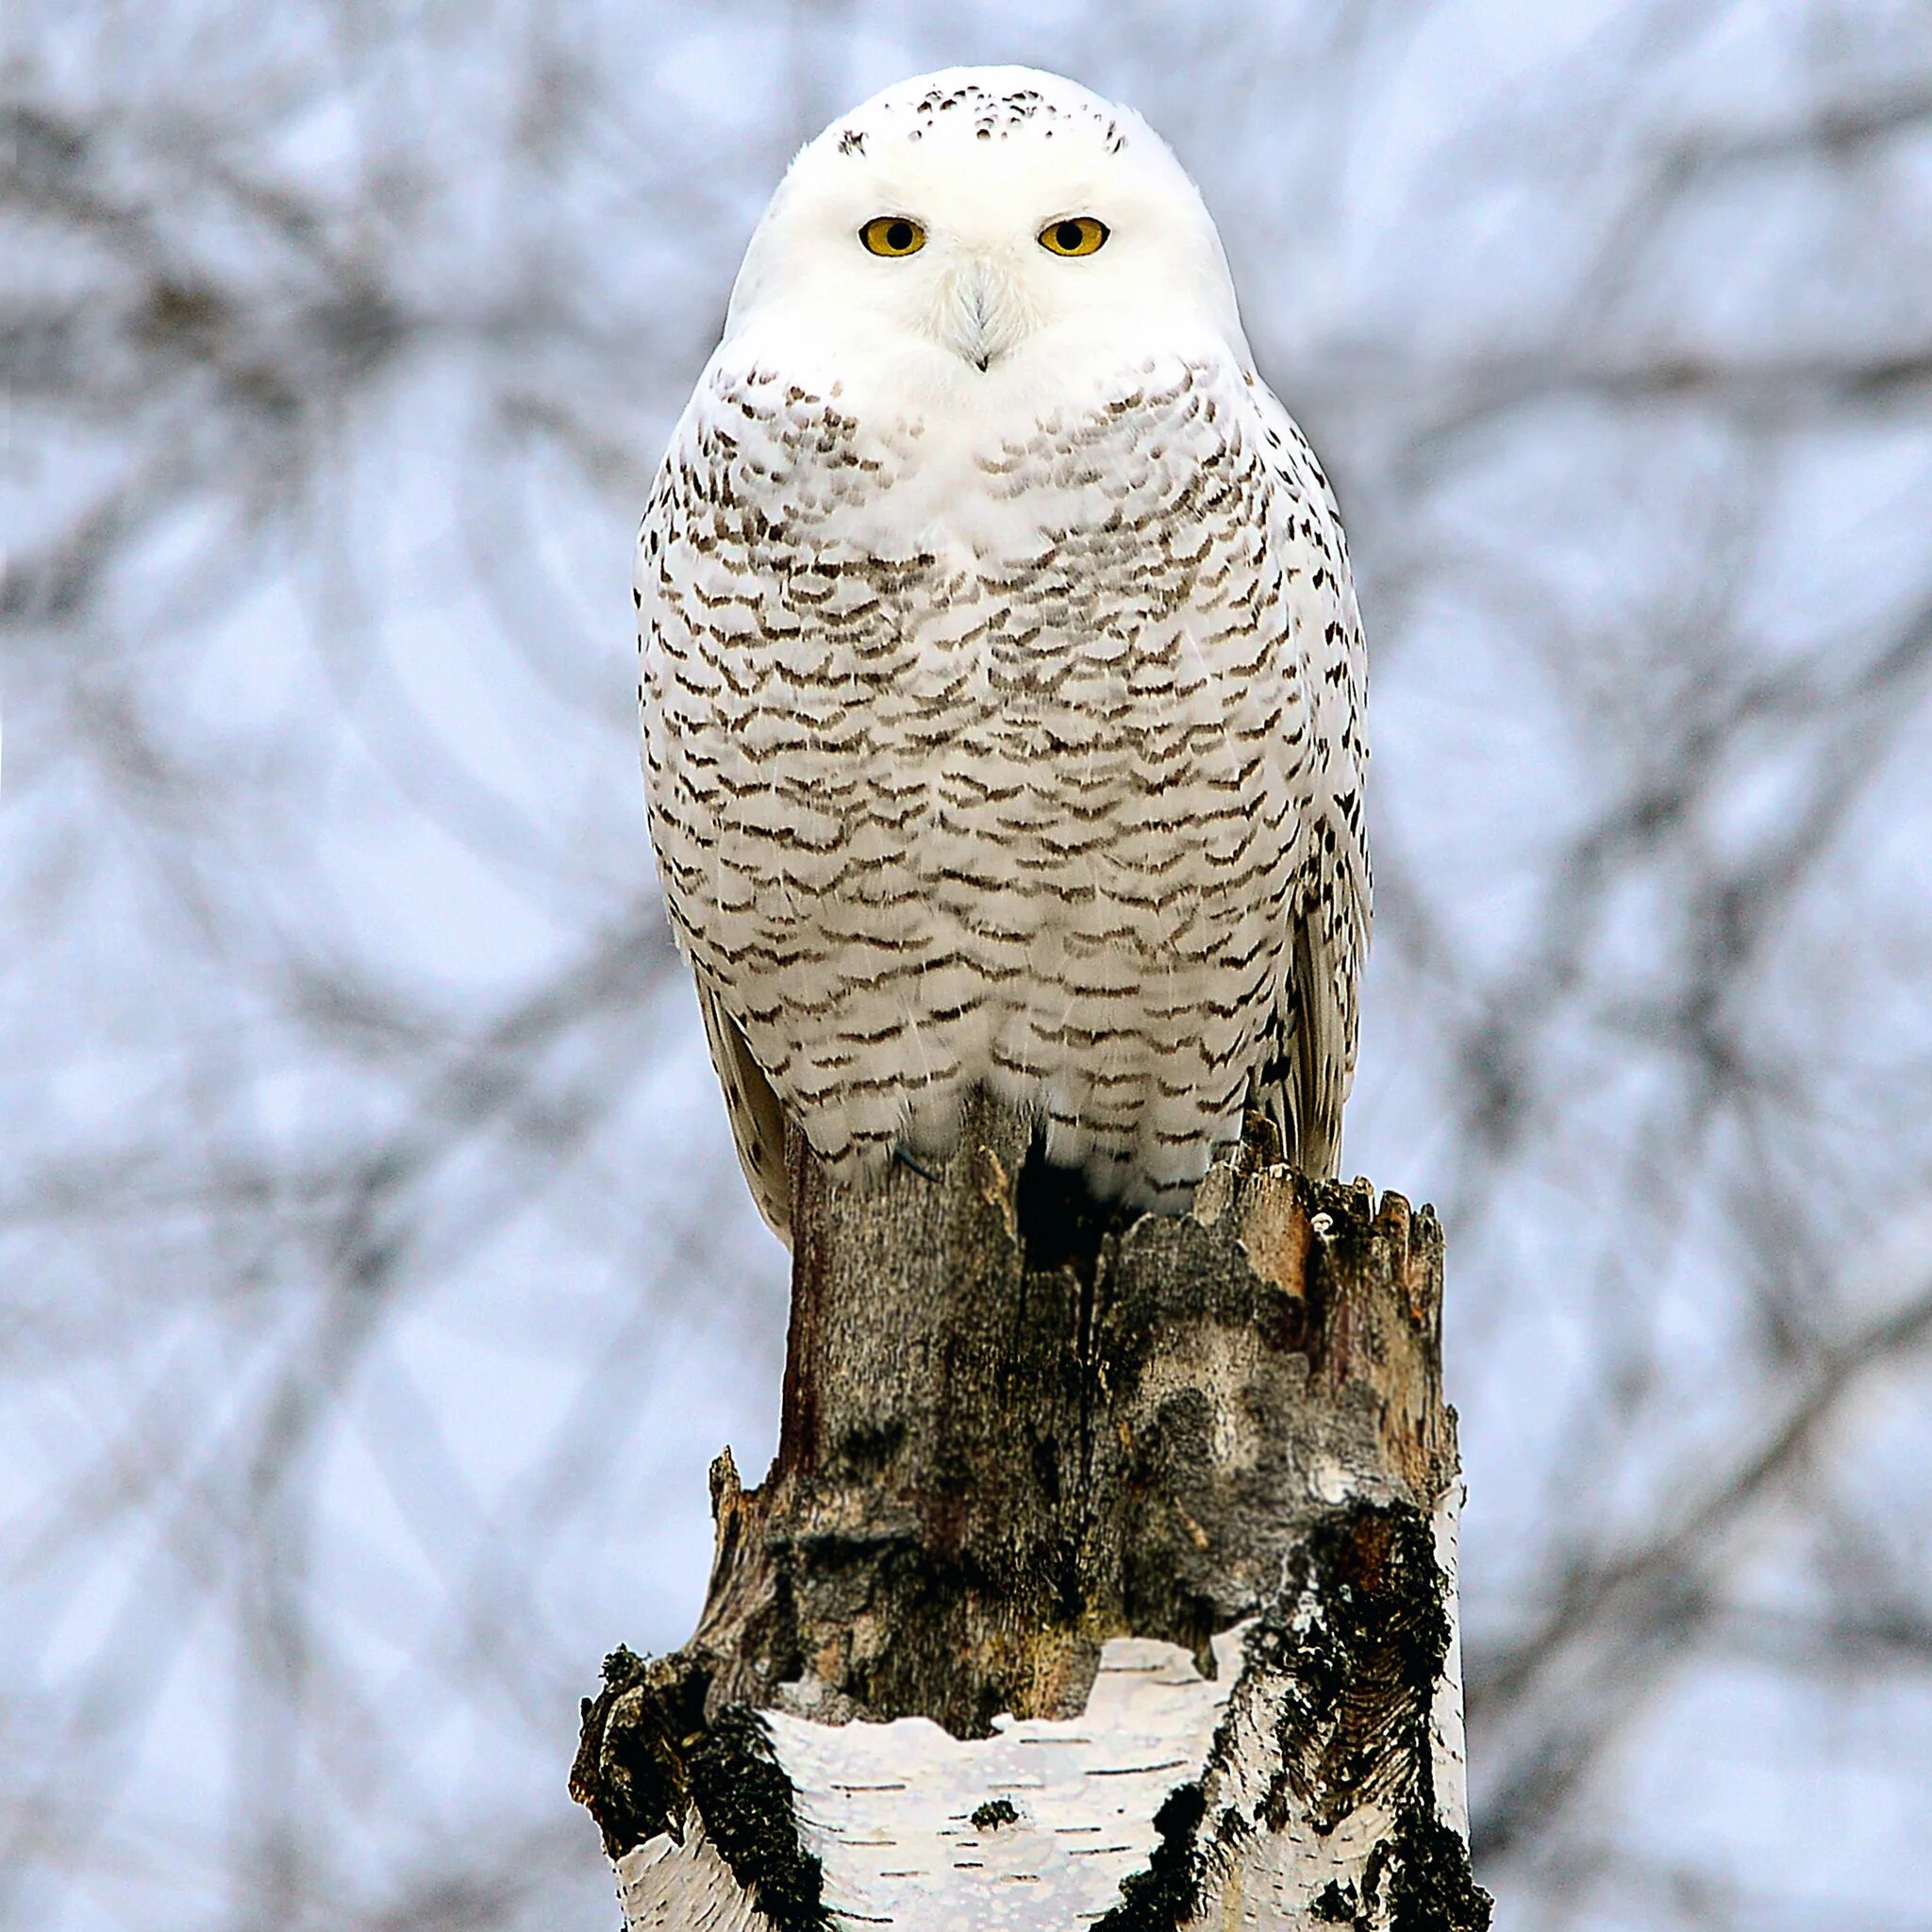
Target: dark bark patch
<point>648,1758</point>
<point>1421,1874</point>
<point>1164,1897</point>
<point>994,1813</point>
<point>1336,1903</point>
<point>747,1803</point>
<point>1360,1633</point>
<point>1060,1221</point>
<point>630,1772</point>
<point>863,1453</point>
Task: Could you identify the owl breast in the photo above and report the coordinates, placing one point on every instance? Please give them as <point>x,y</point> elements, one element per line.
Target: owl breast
<point>975,758</point>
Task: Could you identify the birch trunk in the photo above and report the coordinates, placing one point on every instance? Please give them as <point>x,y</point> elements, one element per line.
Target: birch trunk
<point>1105,1577</point>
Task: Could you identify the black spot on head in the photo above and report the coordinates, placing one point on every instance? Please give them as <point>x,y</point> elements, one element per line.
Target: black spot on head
<point>852,142</point>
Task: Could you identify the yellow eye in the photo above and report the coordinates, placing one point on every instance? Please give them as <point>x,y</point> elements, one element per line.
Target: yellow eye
<point>1079,235</point>
<point>892,235</point>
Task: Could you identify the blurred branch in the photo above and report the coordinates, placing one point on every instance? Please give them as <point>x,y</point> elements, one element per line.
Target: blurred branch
<point>1618,1625</point>
<point>348,1310</point>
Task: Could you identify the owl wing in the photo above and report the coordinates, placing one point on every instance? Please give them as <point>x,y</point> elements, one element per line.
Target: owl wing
<point>1310,1065</point>
<point>681,583</point>
<point>758,1120</point>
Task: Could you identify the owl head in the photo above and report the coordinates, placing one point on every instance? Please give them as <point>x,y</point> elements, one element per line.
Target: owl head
<point>986,227</point>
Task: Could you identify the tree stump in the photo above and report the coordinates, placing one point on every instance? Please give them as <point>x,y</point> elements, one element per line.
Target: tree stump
<point>1105,1577</point>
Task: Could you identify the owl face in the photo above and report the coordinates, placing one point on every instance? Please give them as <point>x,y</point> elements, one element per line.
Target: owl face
<point>985,226</point>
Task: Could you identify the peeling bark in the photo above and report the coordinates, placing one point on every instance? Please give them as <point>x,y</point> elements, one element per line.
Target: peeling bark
<point>1105,1577</point>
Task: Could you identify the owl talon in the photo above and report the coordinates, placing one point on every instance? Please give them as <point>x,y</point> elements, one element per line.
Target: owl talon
<point>904,1160</point>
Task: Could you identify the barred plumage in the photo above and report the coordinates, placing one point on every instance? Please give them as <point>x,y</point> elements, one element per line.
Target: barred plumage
<point>1003,681</point>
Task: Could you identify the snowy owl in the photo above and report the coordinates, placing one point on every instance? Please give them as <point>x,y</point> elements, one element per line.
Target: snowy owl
<point>1002,679</point>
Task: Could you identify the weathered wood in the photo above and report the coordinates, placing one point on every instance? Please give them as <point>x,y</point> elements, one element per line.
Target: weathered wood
<point>1025,1443</point>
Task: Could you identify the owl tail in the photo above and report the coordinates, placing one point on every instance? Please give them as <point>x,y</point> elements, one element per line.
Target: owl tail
<point>1306,1080</point>
<point>1322,1051</point>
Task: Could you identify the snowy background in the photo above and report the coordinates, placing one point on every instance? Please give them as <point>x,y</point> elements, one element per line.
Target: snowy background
<point>375,1278</point>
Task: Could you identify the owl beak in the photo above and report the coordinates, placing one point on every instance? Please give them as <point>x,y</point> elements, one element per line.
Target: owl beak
<point>985,312</point>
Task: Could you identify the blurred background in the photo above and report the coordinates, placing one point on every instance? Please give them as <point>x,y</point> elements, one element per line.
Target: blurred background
<point>377,1277</point>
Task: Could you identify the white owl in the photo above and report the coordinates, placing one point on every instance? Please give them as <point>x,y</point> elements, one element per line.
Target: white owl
<point>1002,677</point>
